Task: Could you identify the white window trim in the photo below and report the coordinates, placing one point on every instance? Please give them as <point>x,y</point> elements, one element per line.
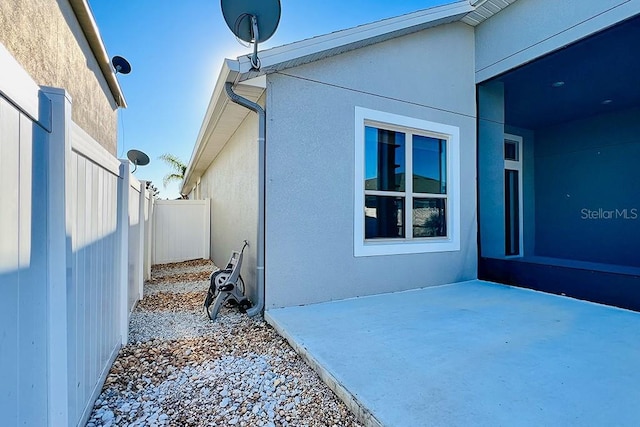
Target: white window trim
<point>400,247</point>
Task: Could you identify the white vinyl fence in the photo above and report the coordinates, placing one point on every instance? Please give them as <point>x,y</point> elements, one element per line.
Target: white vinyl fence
<point>72,255</point>
<point>181,230</point>
<point>24,293</point>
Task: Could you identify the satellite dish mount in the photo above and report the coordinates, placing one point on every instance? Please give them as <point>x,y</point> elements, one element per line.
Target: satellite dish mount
<point>121,65</point>
<point>255,61</point>
<point>138,158</point>
<point>252,21</point>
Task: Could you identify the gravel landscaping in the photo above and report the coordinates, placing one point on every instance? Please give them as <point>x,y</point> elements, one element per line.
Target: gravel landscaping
<point>181,369</point>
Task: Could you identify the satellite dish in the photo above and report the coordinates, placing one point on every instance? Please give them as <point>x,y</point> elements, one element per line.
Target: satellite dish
<point>138,158</point>
<point>252,21</point>
<point>121,65</point>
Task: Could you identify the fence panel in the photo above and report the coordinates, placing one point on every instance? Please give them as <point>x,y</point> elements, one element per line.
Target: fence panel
<point>93,295</point>
<point>148,221</point>
<point>181,230</point>
<point>23,266</point>
<point>64,255</point>
<point>134,267</point>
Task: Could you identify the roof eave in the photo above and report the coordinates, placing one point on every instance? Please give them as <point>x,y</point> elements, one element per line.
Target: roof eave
<point>485,9</point>
<point>306,51</point>
<point>228,73</point>
<point>90,29</point>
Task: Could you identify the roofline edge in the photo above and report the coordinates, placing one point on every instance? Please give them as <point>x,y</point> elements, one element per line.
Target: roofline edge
<point>87,22</point>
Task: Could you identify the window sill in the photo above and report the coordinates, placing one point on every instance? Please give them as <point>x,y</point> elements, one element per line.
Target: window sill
<point>380,248</point>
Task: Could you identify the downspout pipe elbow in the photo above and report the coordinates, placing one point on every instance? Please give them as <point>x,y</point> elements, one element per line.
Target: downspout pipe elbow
<point>258,306</point>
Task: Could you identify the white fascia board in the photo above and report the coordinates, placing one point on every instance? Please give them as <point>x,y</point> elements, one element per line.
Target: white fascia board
<point>92,33</point>
<point>342,41</point>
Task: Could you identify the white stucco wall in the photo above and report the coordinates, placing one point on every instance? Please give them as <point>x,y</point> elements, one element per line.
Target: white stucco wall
<point>231,182</point>
<point>528,29</point>
<point>310,164</point>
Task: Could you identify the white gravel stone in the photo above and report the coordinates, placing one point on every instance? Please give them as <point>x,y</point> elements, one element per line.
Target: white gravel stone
<point>148,325</point>
<point>163,272</point>
<point>163,379</point>
<point>178,288</point>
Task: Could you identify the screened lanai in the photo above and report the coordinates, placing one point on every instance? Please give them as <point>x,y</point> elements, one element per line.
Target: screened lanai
<point>559,171</point>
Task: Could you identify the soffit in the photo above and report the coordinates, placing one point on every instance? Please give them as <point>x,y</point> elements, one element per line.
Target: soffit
<point>485,9</point>
<point>224,121</point>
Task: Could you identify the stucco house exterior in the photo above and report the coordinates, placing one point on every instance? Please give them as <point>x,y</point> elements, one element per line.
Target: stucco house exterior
<point>58,43</point>
<point>485,138</point>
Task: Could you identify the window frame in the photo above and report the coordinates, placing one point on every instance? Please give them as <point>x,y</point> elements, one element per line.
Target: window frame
<point>515,165</point>
<point>407,245</point>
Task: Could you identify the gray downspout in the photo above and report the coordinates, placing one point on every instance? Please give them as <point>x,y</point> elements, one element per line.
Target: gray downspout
<point>258,306</point>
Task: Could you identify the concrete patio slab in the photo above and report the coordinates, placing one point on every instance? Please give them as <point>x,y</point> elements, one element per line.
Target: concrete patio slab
<point>473,353</point>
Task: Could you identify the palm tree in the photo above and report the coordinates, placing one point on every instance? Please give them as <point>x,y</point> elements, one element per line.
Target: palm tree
<point>177,166</point>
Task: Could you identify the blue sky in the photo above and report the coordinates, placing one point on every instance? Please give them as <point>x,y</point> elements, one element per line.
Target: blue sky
<point>176,50</point>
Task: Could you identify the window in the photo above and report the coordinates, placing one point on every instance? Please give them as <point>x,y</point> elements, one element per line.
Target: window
<point>512,195</point>
<point>407,175</point>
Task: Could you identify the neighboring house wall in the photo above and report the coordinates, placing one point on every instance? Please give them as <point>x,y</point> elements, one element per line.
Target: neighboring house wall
<point>311,164</point>
<point>529,29</point>
<point>47,40</point>
<point>231,182</point>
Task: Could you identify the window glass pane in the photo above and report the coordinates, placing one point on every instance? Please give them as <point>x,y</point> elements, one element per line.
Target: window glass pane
<point>512,212</point>
<point>384,159</point>
<point>429,218</point>
<point>429,165</point>
<point>510,150</point>
<point>383,217</point>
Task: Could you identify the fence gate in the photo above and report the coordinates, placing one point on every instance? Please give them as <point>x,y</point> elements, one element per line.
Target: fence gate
<point>181,230</point>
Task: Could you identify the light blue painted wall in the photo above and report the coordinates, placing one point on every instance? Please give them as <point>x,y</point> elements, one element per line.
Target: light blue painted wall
<point>310,164</point>
<point>491,169</point>
<point>528,29</point>
<point>589,164</point>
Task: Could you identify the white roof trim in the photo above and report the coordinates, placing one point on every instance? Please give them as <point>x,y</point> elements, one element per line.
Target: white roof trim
<point>302,52</point>
<point>327,45</point>
<point>485,9</point>
<point>90,29</point>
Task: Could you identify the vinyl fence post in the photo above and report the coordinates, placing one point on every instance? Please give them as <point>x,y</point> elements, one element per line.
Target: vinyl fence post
<point>149,246</point>
<point>123,248</point>
<point>141,228</point>
<point>206,227</point>
<point>59,267</point>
